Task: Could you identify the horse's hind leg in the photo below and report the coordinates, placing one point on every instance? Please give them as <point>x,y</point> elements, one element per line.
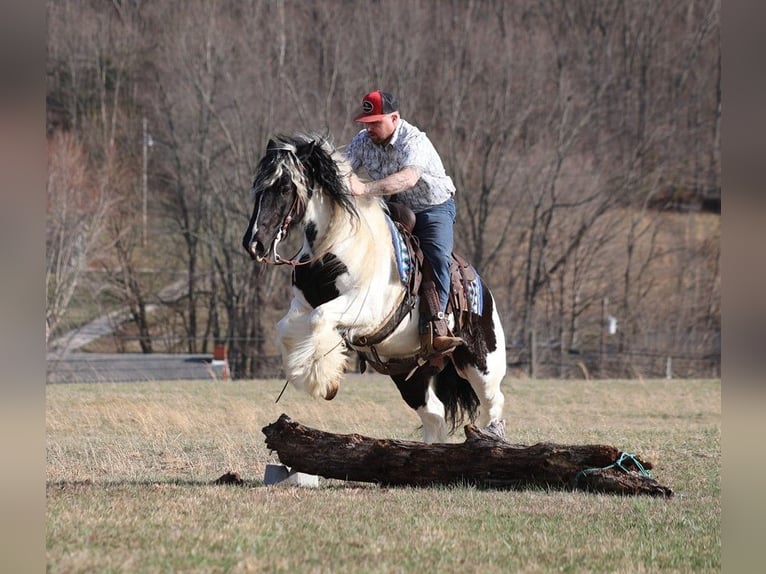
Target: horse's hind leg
<point>486,385</point>
<point>419,394</point>
<point>485,371</point>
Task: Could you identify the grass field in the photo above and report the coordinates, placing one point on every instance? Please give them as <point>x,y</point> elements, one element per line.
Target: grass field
<point>130,470</point>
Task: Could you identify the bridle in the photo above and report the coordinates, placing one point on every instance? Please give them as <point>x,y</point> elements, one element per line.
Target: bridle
<point>295,213</point>
<point>274,257</point>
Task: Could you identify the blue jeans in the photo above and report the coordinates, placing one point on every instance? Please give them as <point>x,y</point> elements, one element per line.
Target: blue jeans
<point>433,228</point>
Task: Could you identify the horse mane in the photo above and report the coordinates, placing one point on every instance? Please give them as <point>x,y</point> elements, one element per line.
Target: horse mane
<point>323,167</point>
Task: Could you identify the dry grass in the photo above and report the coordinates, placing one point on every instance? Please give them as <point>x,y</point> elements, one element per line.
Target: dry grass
<point>130,466</point>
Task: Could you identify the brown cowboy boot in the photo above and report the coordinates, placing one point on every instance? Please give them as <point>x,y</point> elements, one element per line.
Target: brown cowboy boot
<point>445,342</point>
<point>434,332</point>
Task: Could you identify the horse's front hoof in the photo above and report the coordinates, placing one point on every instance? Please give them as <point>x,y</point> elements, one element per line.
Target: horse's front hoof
<point>332,390</point>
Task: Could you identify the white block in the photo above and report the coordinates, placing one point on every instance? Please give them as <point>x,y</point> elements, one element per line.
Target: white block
<point>302,479</point>
<point>280,474</point>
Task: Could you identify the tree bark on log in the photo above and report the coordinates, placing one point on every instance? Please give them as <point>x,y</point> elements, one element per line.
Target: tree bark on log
<point>483,460</point>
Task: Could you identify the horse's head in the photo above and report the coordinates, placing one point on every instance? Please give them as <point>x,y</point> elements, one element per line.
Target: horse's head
<point>280,194</point>
<point>291,172</point>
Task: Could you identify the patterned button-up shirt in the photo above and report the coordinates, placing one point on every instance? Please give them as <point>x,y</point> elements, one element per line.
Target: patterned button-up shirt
<point>408,147</point>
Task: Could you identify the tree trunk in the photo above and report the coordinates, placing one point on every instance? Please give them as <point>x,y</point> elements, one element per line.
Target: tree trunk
<point>482,460</point>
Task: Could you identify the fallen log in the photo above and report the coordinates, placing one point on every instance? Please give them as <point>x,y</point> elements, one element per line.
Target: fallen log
<point>483,460</point>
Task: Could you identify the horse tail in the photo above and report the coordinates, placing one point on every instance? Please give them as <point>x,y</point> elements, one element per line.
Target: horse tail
<point>459,398</point>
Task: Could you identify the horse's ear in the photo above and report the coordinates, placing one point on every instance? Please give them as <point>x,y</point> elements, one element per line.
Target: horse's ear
<point>306,151</point>
<point>308,156</point>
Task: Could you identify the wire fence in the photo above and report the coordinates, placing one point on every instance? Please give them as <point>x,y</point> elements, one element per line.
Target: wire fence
<point>73,367</point>
<point>648,364</point>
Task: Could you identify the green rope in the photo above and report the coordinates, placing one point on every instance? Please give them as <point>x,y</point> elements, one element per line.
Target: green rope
<point>616,464</point>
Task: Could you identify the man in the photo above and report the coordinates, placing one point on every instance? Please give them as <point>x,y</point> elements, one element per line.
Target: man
<point>405,167</point>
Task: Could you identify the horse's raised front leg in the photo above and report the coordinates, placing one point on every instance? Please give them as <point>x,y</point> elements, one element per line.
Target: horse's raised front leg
<point>313,351</point>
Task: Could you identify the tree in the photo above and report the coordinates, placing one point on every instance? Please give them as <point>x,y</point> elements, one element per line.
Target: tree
<point>77,209</point>
<point>124,237</point>
<point>91,73</point>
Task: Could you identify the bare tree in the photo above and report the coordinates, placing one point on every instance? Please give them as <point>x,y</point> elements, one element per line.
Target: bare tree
<point>124,238</point>
<point>77,209</point>
<point>92,71</point>
<point>187,80</point>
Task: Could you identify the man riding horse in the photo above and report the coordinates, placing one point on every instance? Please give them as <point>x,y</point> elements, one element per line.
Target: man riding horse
<point>406,169</point>
<point>353,281</point>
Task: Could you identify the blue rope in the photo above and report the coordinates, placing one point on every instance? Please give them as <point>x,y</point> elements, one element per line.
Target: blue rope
<point>625,456</point>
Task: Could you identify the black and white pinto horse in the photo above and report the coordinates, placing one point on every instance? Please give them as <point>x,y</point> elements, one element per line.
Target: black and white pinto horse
<point>346,286</point>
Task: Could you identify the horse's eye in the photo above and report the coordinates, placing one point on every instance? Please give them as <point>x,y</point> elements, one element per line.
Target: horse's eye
<point>285,185</point>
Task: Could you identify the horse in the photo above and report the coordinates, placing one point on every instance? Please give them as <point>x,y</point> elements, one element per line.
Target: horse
<point>349,294</point>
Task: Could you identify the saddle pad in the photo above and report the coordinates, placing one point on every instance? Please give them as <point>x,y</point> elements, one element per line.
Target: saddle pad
<point>474,294</point>
<point>402,253</point>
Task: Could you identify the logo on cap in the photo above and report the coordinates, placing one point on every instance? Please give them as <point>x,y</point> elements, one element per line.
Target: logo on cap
<point>377,104</point>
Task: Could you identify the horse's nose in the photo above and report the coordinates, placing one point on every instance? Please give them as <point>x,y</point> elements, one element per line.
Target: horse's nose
<point>250,245</point>
<point>255,249</point>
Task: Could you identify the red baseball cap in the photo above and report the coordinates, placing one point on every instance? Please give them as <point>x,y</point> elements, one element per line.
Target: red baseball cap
<point>377,104</point>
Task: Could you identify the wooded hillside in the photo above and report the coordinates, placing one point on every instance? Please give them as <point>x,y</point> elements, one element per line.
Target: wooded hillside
<point>583,137</point>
